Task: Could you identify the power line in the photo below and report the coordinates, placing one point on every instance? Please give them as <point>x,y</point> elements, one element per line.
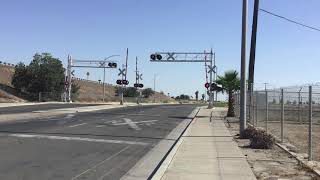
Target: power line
<point>287,19</point>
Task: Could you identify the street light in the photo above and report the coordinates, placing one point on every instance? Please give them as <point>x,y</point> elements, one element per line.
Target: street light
<point>104,74</point>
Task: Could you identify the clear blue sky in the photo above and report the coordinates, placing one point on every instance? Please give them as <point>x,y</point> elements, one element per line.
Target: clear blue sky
<point>286,53</point>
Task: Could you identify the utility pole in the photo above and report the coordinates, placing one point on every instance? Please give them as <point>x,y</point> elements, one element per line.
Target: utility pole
<point>252,57</point>
<point>243,68</point>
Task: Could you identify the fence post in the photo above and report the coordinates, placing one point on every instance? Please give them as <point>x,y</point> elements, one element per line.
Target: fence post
<point>310,124</point>
<point>39,97</point>
<point>282,114</point>
<point>256,110</point>
<point>253,109</point>
<point>267,109</point>
<point>299,107</point>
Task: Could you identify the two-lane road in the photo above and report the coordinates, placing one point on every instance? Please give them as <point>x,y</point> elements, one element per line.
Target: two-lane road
<point>103,144</point>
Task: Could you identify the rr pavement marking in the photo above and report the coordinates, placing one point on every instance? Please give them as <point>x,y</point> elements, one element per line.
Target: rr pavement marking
<point>107,159</point>
<point>77,125</point>
<point>140,122</point>
<point>131,124</point>
<point>39,136</point>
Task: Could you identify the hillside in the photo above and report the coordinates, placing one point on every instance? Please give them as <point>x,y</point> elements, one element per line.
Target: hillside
<point>90,91</point>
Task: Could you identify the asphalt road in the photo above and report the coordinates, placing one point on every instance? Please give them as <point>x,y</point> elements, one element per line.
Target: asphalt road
<point>40,107</point>
<point>95,145</point>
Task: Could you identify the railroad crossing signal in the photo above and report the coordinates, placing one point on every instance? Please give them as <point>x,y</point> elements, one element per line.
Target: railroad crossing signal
<point>72,72</point>
<point>139,76</point>
<point>211,69</point>
<point>138,85</point>
<point>206,85</point>
<point>156,57</point>
<point>124,82</point>
<point>112,65</point>
<point>216,87</point>
<point>122,72</point>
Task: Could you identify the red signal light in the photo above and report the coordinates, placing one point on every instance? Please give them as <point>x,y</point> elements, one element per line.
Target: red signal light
<point>206,85</point>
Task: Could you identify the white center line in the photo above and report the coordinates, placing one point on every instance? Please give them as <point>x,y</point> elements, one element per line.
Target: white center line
<point>77,125</point>
<point>131,124</point>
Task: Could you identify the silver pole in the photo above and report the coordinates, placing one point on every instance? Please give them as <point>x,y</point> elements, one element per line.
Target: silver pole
<point>154,88</point>
<point>310,124</point>
<point>282,114</point>
<point>103,84</point>
<point>69,77</point>
<point>267,111</point>
<point>210,105</point>
<point>243,68</point>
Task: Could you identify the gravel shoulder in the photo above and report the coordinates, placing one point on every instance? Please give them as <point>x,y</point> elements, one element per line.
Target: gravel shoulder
<point>273,163</point>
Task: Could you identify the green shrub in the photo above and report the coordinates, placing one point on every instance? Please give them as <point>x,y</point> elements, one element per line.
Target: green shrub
<point>248,133</point>
<point>261,140</point>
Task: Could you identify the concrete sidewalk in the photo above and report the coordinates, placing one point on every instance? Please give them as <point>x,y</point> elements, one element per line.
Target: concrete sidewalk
<point>206,151</point>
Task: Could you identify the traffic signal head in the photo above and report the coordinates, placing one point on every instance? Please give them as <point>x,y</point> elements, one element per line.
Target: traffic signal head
<point>206,85</point>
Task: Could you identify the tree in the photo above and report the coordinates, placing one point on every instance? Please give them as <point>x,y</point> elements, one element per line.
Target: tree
<point>147,92</point>
<point>44,74</point>
<point>183,97</point>
<point>231,83</point>
<point>130,92</point>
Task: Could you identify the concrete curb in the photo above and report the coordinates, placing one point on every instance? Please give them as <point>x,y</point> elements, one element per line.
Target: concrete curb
<point>149,165</point>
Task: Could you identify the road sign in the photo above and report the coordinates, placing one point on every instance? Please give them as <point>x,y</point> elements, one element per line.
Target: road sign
<point>122,72</point>
<point>72,72</point>
<point>211,69</point>
<point>139,76</point>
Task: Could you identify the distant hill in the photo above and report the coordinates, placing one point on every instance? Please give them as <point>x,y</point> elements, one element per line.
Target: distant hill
<point>90,91</point>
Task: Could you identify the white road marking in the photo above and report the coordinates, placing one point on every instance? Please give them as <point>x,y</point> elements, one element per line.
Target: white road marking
<point>139,122</point>
<point>100,126</point>
<point>107,159</point>
<point>69,116</point>
<point>131,124</point>
<point>77,125</point>
<point>39,136</point>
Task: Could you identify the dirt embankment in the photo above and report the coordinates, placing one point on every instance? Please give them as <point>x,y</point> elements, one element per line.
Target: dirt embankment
<point>90,91</point>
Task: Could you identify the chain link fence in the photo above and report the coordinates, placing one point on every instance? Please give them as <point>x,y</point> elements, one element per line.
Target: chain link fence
<point>291,114</point>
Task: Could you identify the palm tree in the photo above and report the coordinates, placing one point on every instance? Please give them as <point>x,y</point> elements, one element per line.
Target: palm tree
<point>231,83</point>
